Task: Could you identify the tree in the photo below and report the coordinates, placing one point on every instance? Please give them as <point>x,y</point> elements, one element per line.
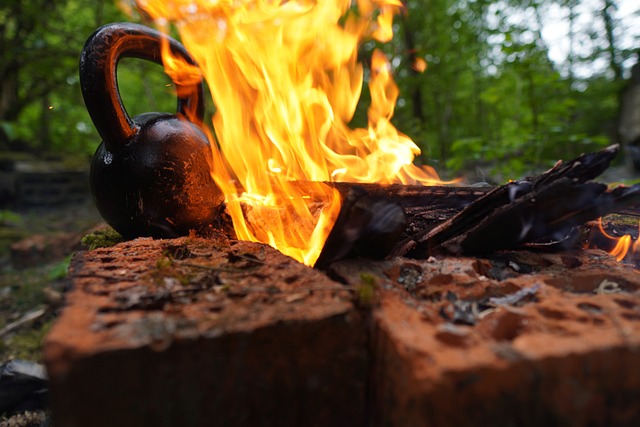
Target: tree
<point>41,107</point>
<point>490,94</point>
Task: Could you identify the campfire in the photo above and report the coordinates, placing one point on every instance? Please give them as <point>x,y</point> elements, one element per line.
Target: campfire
<point>285,78</point>
<point>429,303</point>
<point>285,166</point>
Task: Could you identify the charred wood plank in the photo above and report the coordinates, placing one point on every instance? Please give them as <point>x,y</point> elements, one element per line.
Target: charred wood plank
<point>367,225</point>
<point>419,196</point>
<point>543,206</point>
<point>414,221</point>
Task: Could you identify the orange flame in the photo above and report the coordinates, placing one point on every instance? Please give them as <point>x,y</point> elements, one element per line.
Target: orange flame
<point>285,78</point>
<point>623,245</point>
<point>419,65</point>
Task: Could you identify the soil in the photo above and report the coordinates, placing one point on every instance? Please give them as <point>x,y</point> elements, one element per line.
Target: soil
<point>35,249</point>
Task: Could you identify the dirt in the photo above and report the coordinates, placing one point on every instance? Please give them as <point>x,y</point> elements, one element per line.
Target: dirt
<point>35,249</point>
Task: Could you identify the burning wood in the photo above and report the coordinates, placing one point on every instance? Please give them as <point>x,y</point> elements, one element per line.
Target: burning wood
<point>540,209</point>
<point>547,207</point>
<point>280,191</point>
<point>286,79</point>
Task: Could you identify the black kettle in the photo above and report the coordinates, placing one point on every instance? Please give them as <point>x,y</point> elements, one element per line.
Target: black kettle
<point>151,175</point>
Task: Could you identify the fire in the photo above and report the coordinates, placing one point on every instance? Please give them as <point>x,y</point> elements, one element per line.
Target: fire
<point>285,79</point>
<point>622,245</point>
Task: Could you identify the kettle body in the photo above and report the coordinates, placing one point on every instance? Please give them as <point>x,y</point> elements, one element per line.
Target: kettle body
<point>152,174</point>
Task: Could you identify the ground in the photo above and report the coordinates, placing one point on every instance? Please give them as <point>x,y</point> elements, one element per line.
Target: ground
<point>32,275</point>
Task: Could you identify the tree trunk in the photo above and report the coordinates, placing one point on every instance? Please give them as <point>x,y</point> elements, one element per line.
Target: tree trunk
<point>614,61</point>
<point>410,45</point>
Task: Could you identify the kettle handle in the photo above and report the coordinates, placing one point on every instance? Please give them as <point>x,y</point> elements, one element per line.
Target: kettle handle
<point>99,84</point>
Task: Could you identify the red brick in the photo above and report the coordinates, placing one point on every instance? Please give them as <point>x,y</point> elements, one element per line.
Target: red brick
<point>235,333</point>
<point>204,332</point>
<point>568,355</point>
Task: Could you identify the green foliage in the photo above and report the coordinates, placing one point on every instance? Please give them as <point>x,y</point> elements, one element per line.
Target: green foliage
<point>490,99</point>
<point>59,270</point>
<point>9,218</point>
<point>40,56</point>
<point>26,344</point>
<point>492,104</point>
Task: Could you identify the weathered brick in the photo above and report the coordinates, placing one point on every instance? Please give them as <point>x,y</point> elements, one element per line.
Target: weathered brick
<point>204,332</point>
<point>200,332</point>
<point>567,353</point>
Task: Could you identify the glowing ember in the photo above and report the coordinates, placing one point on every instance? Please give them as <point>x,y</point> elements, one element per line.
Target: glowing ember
<point>285,79</point>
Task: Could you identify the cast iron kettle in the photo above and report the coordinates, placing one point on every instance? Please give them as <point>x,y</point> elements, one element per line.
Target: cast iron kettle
<point>151,175</point>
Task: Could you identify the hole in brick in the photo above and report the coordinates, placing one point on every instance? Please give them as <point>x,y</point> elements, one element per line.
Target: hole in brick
<point>504,267</point>
<point>291,279</point>
<point>626,304</point>
<point>410,276</point>
<point>429,293</point>
<point>96,289</point>
<point>441,279</point>
<point>453,335</point>
<point>500,272</point>
<point>178,252</point>
<point>101,324</point>
<point>552,313</point>
<point>501,289</point>
<point>631,316</point>
<point>508,325</point>
<point>589,284</point>
<point>216,308</point>
<point>571,261</point>
<point>482,267</point>
<point>590,308</point>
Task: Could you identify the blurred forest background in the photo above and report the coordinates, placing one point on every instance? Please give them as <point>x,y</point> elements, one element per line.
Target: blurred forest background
<point>492,99</point>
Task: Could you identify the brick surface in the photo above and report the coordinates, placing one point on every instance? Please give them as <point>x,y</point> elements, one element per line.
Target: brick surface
<point>204,332</point>
<point>216,332</point>
<point>449,349</point>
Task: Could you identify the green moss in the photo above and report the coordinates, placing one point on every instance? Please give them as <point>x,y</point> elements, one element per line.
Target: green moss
<point>59,270</point>
<point>25,344</point>
<point>621,220</point>
<point>167,268</point>
<point>26,288</point>
<point>366,290</point>
<point>164,263</point>
<point>102,239</point>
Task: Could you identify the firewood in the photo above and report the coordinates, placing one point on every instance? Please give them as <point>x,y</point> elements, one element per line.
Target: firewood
<point>415,221</point>
<point>544,206</point>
